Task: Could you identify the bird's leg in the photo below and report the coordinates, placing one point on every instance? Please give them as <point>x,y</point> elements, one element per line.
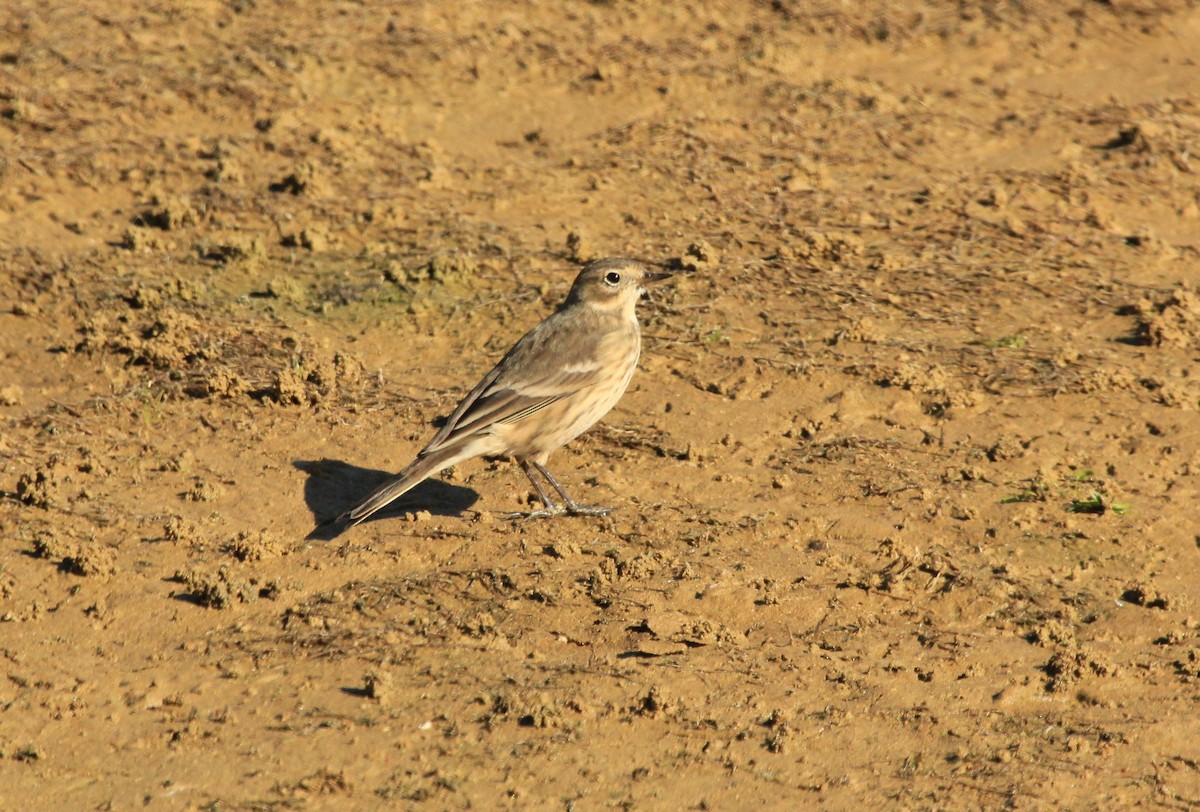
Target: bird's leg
<point>550,508</point>
<point>573,507</point>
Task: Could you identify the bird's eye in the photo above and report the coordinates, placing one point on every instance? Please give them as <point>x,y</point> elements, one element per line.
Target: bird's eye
<point>612,277</point>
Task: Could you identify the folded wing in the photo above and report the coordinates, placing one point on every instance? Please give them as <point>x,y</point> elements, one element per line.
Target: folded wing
<point>528,379</point>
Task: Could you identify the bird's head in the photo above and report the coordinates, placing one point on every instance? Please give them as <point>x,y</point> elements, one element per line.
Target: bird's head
<point>613,284</point>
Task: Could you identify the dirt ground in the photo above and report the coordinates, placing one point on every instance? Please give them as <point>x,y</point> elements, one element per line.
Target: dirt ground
<point>905,488</point>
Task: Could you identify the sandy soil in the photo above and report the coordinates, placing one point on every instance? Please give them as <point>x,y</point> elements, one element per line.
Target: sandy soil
<point>905,489</point>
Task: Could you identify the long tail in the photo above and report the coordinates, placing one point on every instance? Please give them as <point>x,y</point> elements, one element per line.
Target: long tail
<point>417,472</point>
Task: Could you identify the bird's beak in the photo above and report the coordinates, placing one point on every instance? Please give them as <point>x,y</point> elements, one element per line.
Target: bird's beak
<point>656,276</point>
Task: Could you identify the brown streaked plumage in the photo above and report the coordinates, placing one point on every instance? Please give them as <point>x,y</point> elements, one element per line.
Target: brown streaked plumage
<point>553,385</point>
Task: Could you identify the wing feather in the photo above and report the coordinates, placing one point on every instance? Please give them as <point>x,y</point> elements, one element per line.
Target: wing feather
<point>549,363</point>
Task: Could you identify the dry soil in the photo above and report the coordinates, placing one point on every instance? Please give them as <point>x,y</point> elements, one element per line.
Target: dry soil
<point>905,490</point>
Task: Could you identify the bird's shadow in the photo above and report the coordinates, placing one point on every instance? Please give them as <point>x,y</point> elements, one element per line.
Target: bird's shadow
<point>334,486</point>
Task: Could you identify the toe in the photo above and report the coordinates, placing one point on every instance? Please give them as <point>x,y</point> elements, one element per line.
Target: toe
<point>588,510</point>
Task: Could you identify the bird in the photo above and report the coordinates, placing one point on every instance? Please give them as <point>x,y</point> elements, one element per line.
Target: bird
<point>554,384</point>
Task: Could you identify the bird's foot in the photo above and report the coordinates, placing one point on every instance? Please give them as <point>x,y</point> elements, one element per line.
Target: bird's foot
<point>587,510</point>
<point>544,513</point>
<point>572,509</point>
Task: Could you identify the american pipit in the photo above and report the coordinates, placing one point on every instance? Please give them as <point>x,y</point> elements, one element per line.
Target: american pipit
<point>553,385</point>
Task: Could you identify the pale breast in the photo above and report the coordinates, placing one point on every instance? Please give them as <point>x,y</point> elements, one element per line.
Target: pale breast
<point>560,422</point>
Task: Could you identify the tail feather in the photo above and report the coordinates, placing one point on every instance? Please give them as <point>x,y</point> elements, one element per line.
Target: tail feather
<point>417,472</point>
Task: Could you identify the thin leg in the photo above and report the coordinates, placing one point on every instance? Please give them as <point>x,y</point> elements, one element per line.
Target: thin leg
<point>550,508</point>
<point>573,507</point>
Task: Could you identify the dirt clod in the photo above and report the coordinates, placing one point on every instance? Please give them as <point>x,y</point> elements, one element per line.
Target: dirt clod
<point>1173,322</point>
<point>255,545</point>
<point>699,256</point>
